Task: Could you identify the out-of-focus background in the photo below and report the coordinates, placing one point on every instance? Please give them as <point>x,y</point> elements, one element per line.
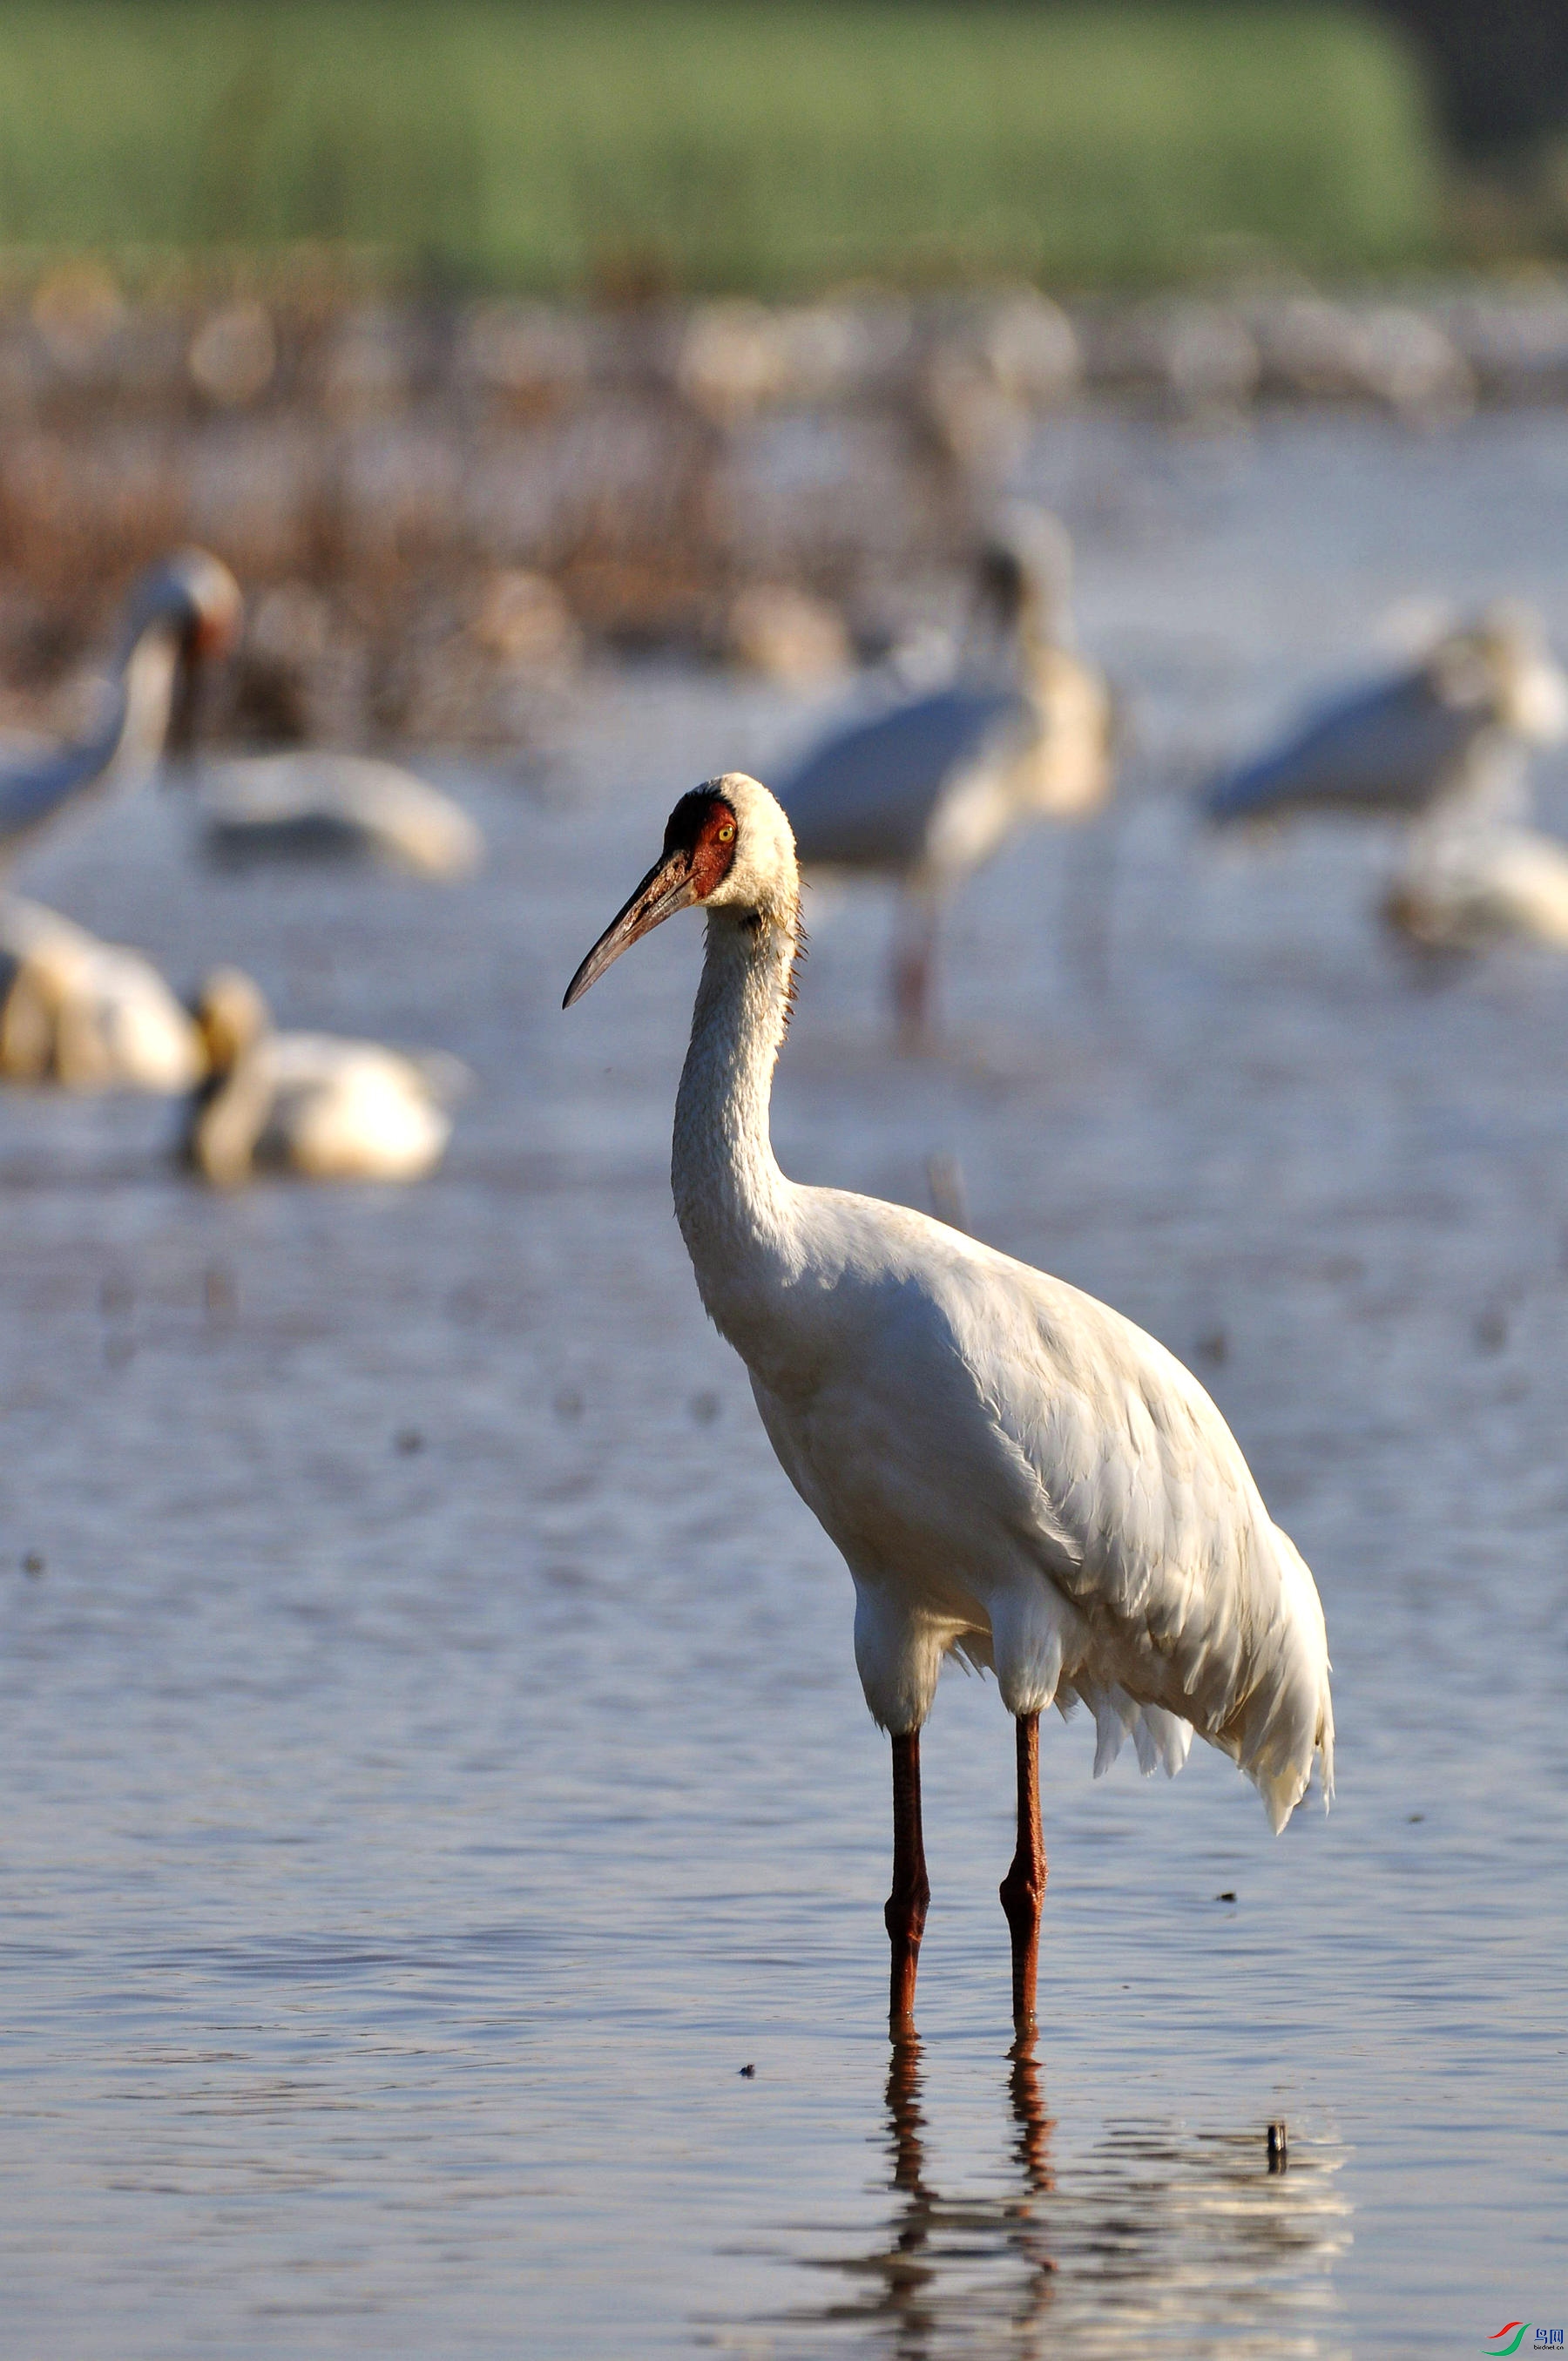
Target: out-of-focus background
<point>478,336</point>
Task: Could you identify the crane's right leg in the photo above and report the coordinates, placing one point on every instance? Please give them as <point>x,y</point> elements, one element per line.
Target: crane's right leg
<point>1023,1887</point>
<point>908,1904</point>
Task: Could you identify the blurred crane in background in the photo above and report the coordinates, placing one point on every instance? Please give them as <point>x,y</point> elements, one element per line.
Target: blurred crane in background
<point>185,612</point>
<point>928,790</point>
<point>1444,745</point>
<point>1456,728</point>
<point>73,1010</point>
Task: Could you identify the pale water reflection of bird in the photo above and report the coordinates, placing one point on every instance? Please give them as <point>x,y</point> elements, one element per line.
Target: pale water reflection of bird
<point>309,1104</point>
<point>74,1010</point>
<point>926,790</point>
<point>1153,2235</point>
<point>313,804</point>
<point>1013,1473</point>
<point>932,2260</point>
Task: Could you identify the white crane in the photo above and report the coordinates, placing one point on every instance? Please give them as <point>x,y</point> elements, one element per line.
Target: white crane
<point>309,1104</point>
<point>1444,745</point>
<point>1013,1472</point>
<point>928,790</point>
<point>186,611</point>
<point>1453,731</point>
<point>315,803</point>
<point>84,1014</point>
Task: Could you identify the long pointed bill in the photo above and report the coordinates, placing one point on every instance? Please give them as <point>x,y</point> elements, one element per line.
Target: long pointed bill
<point>669,887</point>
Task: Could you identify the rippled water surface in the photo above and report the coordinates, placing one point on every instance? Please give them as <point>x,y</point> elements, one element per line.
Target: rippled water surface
<point>433,1760</point>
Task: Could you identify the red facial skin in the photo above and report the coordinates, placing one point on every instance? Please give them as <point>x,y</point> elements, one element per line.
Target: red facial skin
<point>703,826</point>
<point>699,851</point>
<point>212,637</point>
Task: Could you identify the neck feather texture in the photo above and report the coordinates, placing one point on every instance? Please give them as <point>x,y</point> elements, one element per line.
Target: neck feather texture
<point>731,1200</point>
<point>119,754</point>
<point>134,740</point>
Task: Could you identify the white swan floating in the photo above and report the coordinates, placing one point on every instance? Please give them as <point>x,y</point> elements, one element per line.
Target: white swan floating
<point>310,1103</point>
<point>86,1015</point>
<point>926,791</point>
<point>1469,889</point>
<point>313,806</point>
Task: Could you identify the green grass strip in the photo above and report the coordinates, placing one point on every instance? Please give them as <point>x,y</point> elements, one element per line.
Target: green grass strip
<point>719,144</point>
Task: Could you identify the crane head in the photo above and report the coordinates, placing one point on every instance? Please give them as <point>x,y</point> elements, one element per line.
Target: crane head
<point>699,852</point>
<point>193,595</point>
<point>727,845</point>
<point>1501,669</point>
<point>1024,575</point>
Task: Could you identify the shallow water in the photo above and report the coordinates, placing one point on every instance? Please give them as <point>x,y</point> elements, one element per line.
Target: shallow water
<point>432,1756</point>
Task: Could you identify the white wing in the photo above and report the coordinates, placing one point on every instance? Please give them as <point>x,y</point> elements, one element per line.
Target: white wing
<point>1196,1605</point>
<point>969,1429</point>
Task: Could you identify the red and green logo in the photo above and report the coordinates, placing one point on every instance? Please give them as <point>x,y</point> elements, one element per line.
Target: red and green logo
<point>1508,2338</point>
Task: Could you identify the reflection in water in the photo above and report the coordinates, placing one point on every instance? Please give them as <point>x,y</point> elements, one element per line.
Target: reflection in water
<point>908,2281</point>
<point>1152,2230</point>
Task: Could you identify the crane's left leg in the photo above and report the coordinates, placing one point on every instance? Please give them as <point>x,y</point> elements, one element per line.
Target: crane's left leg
<point>1023,1887</point>
<point>904,1917</point>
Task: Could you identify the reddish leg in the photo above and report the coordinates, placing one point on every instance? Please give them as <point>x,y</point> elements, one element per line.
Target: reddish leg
<point>913,959</point>
<point>906,1905</point>
<point>1023,1887</point>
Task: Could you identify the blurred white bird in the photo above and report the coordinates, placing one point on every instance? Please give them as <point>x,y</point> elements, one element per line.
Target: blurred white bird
<point>87,1015</point>
<point>185,611</point>
<point>1452,732</point>
<point>1013,1473</point>
<point>1469,888</point>
<point>926,791</point>
<point>308,1103</point>
<point>75,1011</point>
<point>314,805</point>
<point>1444,743</point>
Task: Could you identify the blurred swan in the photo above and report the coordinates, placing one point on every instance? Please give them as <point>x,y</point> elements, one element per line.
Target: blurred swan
<point>184,612</point>
<point>87,1015</point>
<point>313,804</point>
<point>1466,889</point>
<point>1455,729</point>
<point>928,789</point>
<point>308,1103</point>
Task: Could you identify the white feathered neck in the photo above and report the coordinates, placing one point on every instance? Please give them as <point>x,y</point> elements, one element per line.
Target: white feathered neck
<point>734,1206</point>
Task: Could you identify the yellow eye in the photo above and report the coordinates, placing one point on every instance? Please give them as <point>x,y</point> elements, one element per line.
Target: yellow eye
<point>726,832</point>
